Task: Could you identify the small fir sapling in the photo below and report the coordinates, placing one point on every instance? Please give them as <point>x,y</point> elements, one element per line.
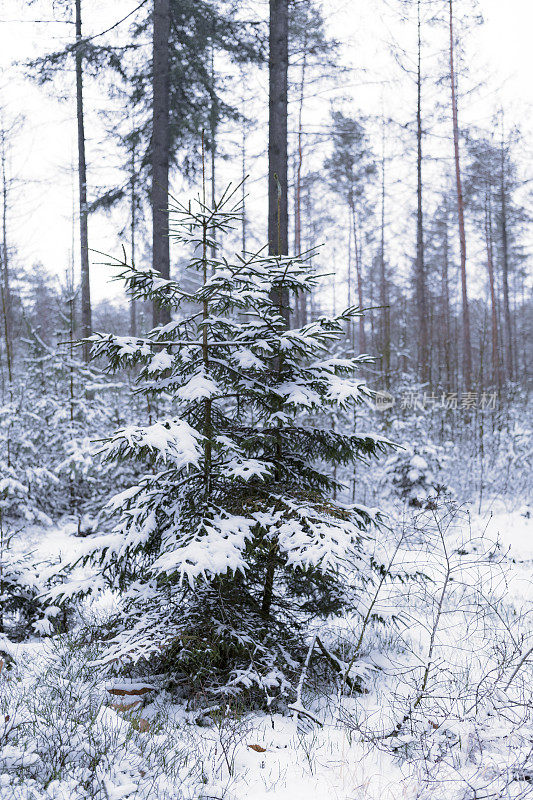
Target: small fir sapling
<point>230,546</point>
<point>21,607</point>
<point>51,457</point>
<point>25,471</point>
<point>416,474</point>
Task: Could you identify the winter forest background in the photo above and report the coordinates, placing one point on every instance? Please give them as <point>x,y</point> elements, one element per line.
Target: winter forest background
<point>265,342</point>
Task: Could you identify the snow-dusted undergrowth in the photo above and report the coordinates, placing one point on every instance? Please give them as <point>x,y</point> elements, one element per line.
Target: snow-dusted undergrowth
<point>446,708</point>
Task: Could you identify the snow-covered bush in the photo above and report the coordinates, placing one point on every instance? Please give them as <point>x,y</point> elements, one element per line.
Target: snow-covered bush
<point>62,737</point>
<point>47,463</point>
<point>21,605</point>
<point>476,454</point>
<point>416,474</point>
<point>24,472</point>
<point>231,543</point>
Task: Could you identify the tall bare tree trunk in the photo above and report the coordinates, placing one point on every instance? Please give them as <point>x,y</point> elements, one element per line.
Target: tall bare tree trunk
<point>349,275</point>
<point>309,308</point>
<point>244,130</point>
<point>133,222</point>
<point>456,351</point>
<point>160,147</point>
<point>494,311</point>
<point>359,277</point>
<point>86,316</point>
<point>243,192</point>
<point>445,300</point>
<point>371,289</point>
<point>509,357</point>
<point>208,419</point>
<point>383,289</point>
<point>300,299</point>
<point>5,285</point>
<point>421,293</point>
<point>213,126</point>
<point>278,220</point>
<point>297,313</point>
<point>467,347</point>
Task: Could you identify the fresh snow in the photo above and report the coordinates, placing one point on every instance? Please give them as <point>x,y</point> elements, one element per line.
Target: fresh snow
<point>318,752</point>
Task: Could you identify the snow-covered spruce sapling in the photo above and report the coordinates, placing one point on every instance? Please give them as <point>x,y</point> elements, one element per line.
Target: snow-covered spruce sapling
<point>230,546</point>
<point>67,405</point>
<point>416,474</point>
<point>21,607</point>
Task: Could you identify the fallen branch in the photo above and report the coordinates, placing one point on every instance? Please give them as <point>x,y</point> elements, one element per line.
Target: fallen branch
<point>336,664</point>
<point>304,713</point>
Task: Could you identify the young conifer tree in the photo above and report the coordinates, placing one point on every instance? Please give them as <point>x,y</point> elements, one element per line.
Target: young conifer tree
<point>231,545</point>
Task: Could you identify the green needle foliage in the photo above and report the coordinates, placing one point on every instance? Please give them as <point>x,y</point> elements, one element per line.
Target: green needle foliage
<point>230,546</point>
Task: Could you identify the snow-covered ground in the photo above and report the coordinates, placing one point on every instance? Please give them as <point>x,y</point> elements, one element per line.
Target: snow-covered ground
<point>446,711</point>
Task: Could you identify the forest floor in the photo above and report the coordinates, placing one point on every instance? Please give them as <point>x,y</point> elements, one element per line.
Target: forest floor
<point>446,711</point>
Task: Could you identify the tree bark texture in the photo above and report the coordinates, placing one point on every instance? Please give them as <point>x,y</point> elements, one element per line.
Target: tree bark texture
<point>160,147</point>
<point>86,315</point>
<point>467,348</point>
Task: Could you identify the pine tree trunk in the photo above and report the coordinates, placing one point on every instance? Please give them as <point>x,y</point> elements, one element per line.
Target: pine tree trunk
<point>349,276</point>
<point>213,126</point>
<point>297,313</point>
<point>445,301</point>
<point>278,221</point>
<point>494,312</point>
<point>133,221</point>
<point>359,276</point>
<point>467,348</point>
<point>505,273</point>
<point>421,294</point>
<point>300,299</point>
<point>86,316</point>
<point>5,285</point>
<point>371,289</point>
<point>383,290</point>
<point>456,350</point>
<point>243,176</point>
<point>243,194</point>
<point>160,147</point>
<point>208,425</point>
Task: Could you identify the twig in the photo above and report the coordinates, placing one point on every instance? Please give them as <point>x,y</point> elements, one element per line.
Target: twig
<point>307,661</point>
<point>520,664</point>
<point>371,606</point>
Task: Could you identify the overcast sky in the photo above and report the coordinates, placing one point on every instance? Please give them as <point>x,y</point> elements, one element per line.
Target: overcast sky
<point>44,149</point>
